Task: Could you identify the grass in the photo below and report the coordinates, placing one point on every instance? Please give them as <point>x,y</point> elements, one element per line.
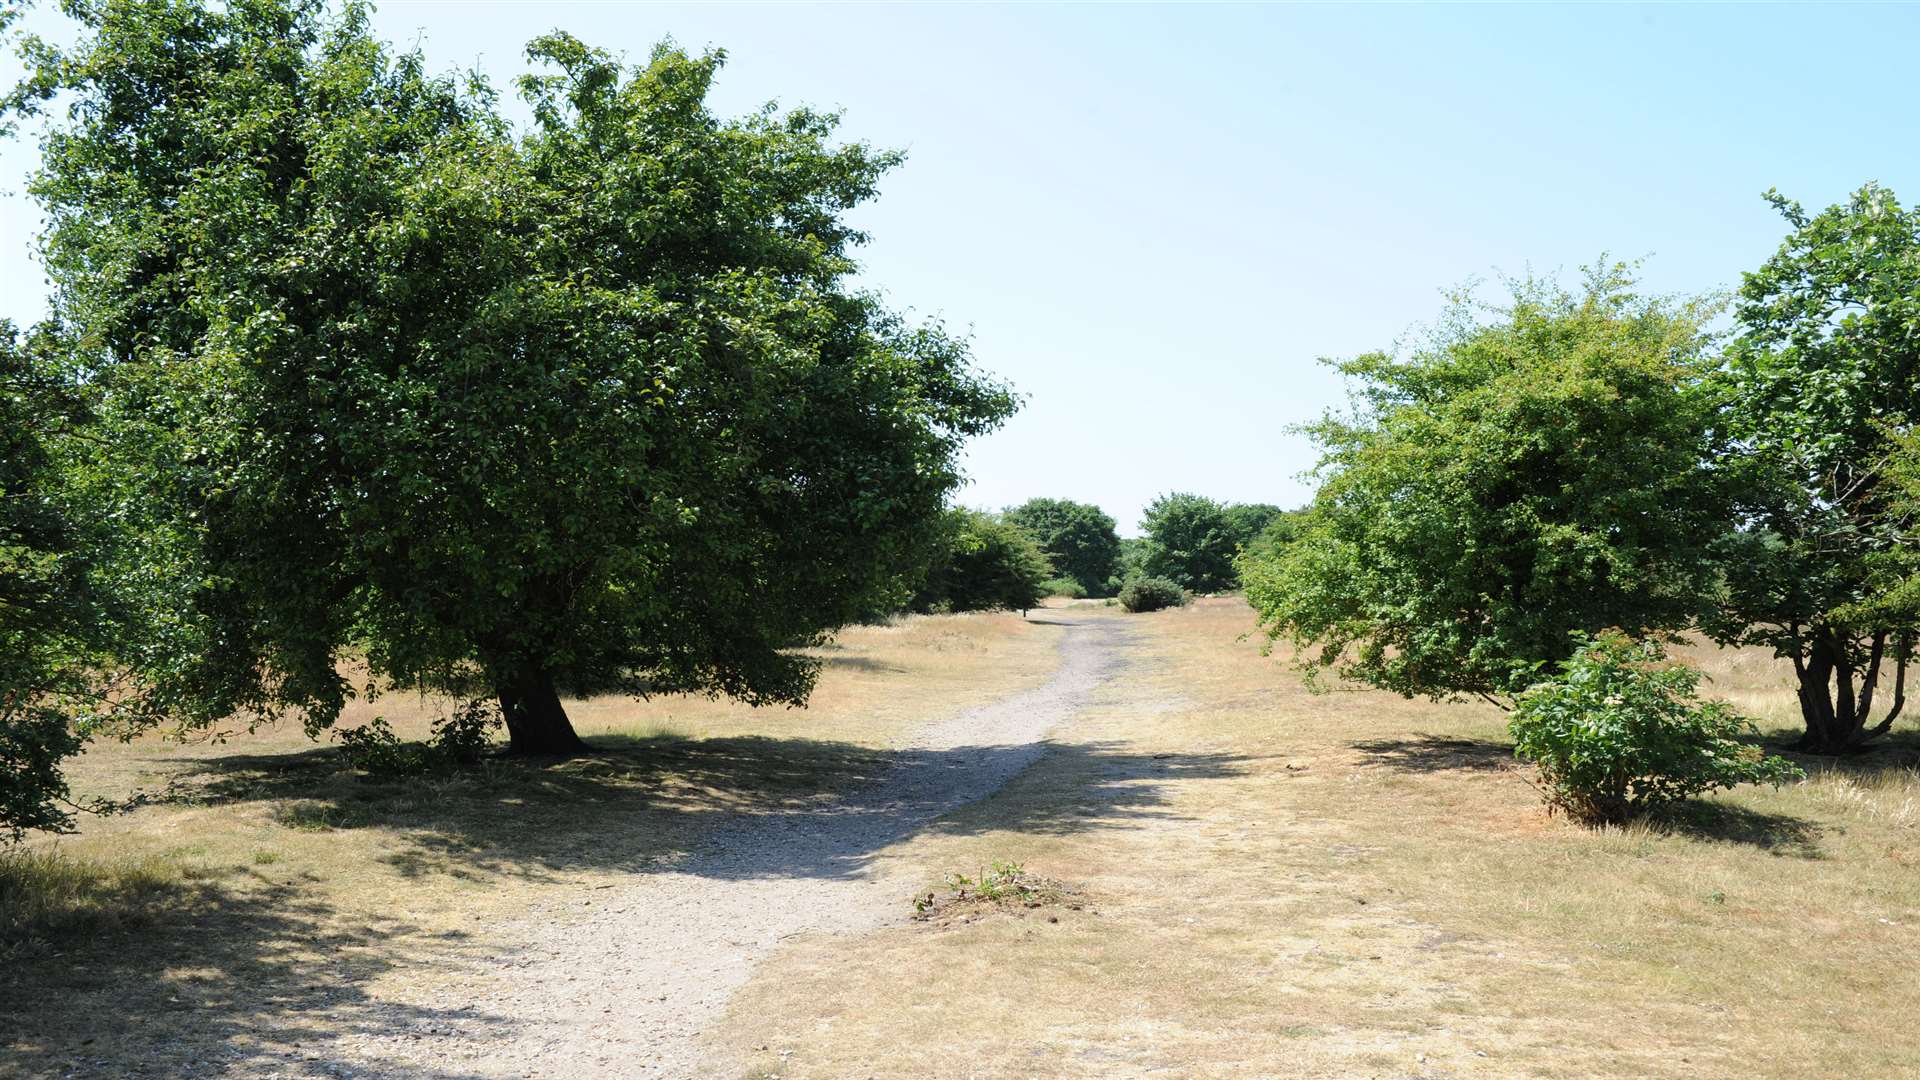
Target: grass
<point>44,893</point>
<point>272,895</point>
<point>1285,884</point>
<point>1262,882</point>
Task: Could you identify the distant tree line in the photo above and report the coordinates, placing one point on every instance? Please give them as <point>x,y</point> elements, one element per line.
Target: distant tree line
<point>1059,547</point>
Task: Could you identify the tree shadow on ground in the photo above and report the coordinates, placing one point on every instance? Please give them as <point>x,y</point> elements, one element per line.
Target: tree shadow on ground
<point>1437,753</point>
<point>1895,750</point>
<point>1721,822</point>
<point>663,802</point>
<point>267,977</point>
<point>231,976</point>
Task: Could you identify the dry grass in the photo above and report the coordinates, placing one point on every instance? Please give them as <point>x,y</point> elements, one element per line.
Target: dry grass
<point>266,896</point>
<point>1282,884</point>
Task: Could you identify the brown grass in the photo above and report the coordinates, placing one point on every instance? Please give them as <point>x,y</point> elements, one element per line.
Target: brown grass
<point>266,894</point>
<point>1282,884</point>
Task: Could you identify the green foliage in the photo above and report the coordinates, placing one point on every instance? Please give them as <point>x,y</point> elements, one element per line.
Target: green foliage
<point>1191,540</point>
<point>1151,594</point>
<point>1510,482</point>
<point>594,406</point>
<point>1004,884</point>
<point>1065,586</point>
<point>1131,563</point>
<point>1618,730</point>
<point>984,563</point>
<point>1078,538</point>
<point>1819,390</point>
<point>1273,537</point>
<point>458,740</point>
<point>64,618</point>
<point>1246,521</point>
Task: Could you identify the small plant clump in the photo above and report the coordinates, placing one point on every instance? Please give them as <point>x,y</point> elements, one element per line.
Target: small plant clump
<point>458,740</point>
<point>1620,730</point>
<point>1151,594</point>
<point>1002,885</point>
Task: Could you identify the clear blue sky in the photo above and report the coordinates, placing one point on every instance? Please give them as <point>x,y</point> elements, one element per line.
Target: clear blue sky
<point>1156,219</point>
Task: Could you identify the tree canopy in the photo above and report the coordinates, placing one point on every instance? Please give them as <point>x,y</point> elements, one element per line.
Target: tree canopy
<point>983,562</point>
<point>1190,540</point>
<point>1822,392</point>
<point>591,406</point>
<point>1078,538</point>
<point>1526,473</point>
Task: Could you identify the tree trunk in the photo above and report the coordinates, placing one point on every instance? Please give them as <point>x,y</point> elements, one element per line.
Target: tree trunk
<point>1834,708</point>
<point>537,724</point>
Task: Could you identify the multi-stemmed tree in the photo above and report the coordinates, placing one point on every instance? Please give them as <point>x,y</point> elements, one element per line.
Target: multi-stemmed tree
<point>1821,388</point>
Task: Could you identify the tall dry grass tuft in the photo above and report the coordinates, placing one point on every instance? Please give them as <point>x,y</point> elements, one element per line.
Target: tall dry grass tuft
<point>49,892</point>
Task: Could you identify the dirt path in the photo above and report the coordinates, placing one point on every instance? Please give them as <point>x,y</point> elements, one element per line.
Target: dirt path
<point>621,982</point>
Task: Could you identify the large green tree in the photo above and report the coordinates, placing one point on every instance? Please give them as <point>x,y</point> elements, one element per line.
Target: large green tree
<point>1190,540</point>
<point>590,406</point>
<point>1516,479</point>
<point>1079,539</point>
<point>1820,388</point>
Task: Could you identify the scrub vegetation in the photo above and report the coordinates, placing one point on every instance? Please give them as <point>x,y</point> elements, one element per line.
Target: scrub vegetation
<point>416,526</point>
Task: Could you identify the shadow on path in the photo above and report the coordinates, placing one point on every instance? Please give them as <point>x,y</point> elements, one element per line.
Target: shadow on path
<point>271,980</point>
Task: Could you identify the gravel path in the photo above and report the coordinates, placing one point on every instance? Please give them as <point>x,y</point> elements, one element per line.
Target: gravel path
<point>624,986</point>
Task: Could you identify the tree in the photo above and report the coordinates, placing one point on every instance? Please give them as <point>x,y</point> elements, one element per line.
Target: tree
<point>1279,531</point>
<point>1512,481</point>
<point>1191,541</point>
<point>590,407</point>
<point>1821,383</point>
<point>1246,521</point>
<point>67,626</point>
<point>985,563</point>
<point>1078,538</point>
<point>46,602</point>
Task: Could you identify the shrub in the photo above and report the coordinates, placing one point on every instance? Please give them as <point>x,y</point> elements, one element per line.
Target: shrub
<point>1064,586</point>
<point>1151,594</point>
<point>1620,730</point>
<point>457,740</point>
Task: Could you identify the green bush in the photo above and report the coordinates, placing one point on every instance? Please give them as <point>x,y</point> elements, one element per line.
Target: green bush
<point>1151,594</point>
<point>458,740</point>
<point>1064,586</point>
<point>1620,729</point>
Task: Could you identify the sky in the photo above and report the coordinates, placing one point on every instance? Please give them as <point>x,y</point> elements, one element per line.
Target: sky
<point>1156,221</point>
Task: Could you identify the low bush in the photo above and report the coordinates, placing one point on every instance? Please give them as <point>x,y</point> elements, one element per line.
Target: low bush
<point>458,740</point>
<point>1620,729</point>
<point>1151,594</point>
<point>1064,586</point>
